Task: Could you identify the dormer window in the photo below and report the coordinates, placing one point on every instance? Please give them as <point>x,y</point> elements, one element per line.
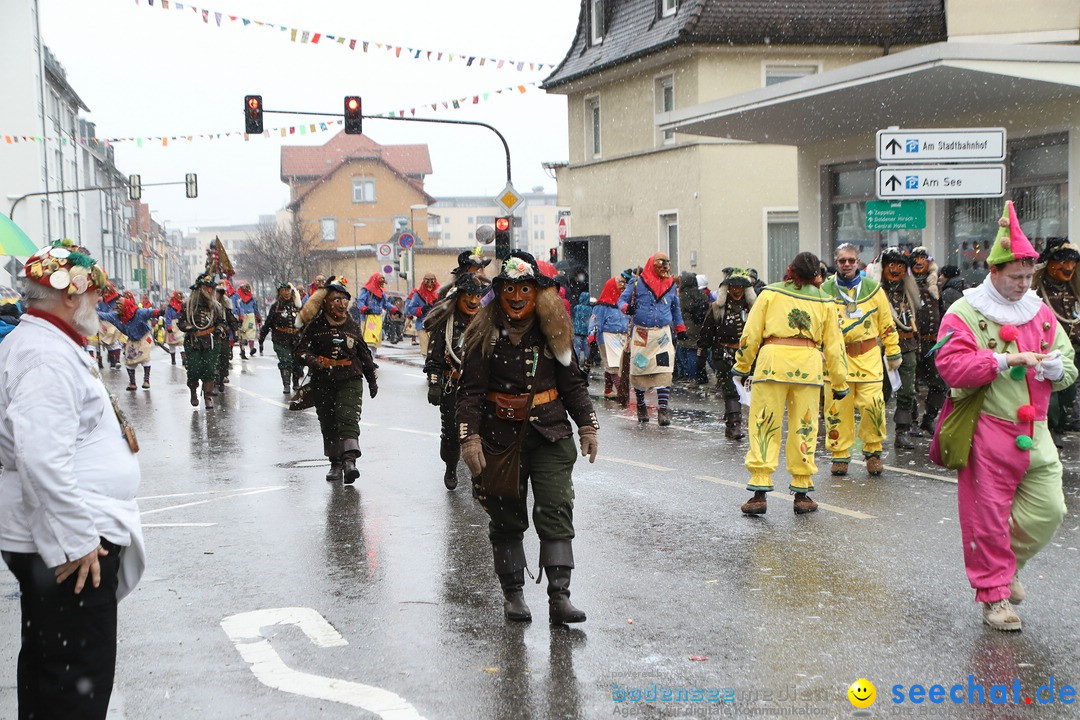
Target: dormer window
<point>596,21</point>
<point>668,7</point>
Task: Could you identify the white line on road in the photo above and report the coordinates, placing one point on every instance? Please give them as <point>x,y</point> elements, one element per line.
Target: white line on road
<point>244,630</point>
<point>777,496</point>
<point>635,463</point>
<point>204,502</point>
<point>261,397</point>
<point>161,525</point>
<point>943,478</point>
<point>205,492</point>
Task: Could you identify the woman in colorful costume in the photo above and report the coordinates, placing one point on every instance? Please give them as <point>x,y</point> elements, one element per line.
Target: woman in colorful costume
<point>609,327</point>
<point>420,302</point>
<point>173,337</point>
<point>134,322</point>
<point>371,303</point>
<point>246,310</point>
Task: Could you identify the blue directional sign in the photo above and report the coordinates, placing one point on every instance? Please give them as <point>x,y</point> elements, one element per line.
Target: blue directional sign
<point>406,240</point>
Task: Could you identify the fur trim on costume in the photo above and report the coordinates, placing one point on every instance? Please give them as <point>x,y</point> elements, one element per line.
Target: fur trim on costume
<point>440,311</point>
<point>911,290</point>
<point>311,308</point>
<point>722,293</point>
<point>1037,285</point>
<point>297,302</point>
<point>932,281</point>
<point>550,313</point>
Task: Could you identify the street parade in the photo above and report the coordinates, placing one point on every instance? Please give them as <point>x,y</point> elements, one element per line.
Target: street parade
<point>739,379</point>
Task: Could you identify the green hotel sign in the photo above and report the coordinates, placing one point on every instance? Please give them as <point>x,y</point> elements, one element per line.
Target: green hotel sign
<point>895,215</point>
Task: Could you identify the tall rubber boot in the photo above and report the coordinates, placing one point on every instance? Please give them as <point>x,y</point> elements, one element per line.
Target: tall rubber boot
<point>903,422</point>
<point>208,394</point>
<point>350,451</point>
<point>332,450</point>
<point>450,452</point>
<point>733,419</point>
<point>131,379</point>
<point>510,567</point>
<point>557,560</point>
<point>285,375</point>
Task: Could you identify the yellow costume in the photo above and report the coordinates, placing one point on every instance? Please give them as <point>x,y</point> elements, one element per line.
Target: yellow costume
<point>866,322</point>
<point>786,332</point>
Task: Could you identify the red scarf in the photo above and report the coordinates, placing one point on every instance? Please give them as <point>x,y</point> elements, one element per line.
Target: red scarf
<point>68,330</point>
<point>126,309</point>
<point>610,295</point>
<point>373,285</point>
<point>175,302</point>
<point>430,297</point>
<point>657,285</point>
<point>245,295</point>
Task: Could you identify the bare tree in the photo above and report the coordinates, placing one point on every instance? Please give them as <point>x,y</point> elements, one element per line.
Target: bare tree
<point>273,254</point>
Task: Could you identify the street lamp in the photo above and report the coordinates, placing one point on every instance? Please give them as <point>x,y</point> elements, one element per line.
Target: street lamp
<point>355,252</point>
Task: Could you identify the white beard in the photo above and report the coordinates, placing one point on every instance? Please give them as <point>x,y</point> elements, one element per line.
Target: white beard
<point>85,320</point>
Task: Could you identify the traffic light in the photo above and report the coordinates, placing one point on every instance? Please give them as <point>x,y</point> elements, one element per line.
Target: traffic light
<point>354,119</point>
<point>253,114</point>
<point>502,238</point>
<point>191,183</point>
<point>397,265</point>
<point>134,187</point>
<point>553,255</point>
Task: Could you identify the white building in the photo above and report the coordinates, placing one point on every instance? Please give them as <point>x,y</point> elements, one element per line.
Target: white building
<point>453,221</point>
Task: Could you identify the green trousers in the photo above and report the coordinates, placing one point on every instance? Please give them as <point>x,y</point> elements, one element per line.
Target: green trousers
<point>285,359</point>
<point>549,466</point>
<point>338,405</point>
<point>202,364</point>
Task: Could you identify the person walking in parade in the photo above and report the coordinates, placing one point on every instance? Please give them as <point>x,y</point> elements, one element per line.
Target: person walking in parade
<point>610,325</point>
<point>69,530</point>
<point>791,325</point>
<point>582,314</point>
<point>902,292</point>
<point>520,385</point>
<point>281,321</point>
<point>173,337</point>
<point>446,324</point>
<point>134,322</point>
<point>246,310</point>
<point>332,345</point>
<point>694,304</point>
<point>1003,351</point>
<point>109,339</point>
<point>865,320</point>
<point>227,333</point>
<point>652,302</point>
<point>721,334</point>
<point>371,303</point>
<point>204,326</point>
<point>420,302</point>
<point>952,286</point>
<point>1057,283</point>
<point>928,320</point>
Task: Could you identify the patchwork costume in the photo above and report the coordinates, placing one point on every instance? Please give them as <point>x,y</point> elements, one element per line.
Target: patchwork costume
<point>174,338</point>
<point>134,322</point>
<point>609,326</point>
<point>371,303</point>
<point>246,309</point>
<point>419,304</point>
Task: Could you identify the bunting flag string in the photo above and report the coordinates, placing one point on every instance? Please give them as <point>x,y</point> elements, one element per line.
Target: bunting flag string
<point>310,37</point>
<point>286,131</point>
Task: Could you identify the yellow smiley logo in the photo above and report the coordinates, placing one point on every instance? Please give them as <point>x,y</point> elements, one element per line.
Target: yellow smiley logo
<point>862,693</point>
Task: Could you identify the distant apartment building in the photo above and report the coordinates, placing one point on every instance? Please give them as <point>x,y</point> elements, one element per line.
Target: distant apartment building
<point>536,225</point>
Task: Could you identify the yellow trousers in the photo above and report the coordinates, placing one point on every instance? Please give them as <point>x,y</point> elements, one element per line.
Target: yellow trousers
<point>840,420</point>
<point>767,403</point>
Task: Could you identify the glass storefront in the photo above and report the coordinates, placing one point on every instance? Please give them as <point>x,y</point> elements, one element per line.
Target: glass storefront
<point>851,186</point>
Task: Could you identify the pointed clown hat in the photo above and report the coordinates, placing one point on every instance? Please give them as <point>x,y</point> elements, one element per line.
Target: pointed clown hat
<point>1010,244</point>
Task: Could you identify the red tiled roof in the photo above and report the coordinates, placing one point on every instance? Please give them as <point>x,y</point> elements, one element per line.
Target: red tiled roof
<point>318,160</point>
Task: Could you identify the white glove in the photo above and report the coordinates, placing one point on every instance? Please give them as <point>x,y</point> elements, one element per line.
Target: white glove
<point>894,363</point>
<point>1051,367</point>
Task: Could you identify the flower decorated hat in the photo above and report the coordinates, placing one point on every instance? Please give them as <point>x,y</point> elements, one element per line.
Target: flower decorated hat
<point>63,265</point>
<point>522,267</point>
<point>1010,244</point>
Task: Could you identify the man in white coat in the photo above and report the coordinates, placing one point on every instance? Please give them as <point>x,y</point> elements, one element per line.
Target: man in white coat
<point>69,523</point>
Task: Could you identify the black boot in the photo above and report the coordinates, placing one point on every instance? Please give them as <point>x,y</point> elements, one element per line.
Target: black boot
<point>285,375</point>
<point>333,451</point>
<point>146,377</point>
<point>193,386</point>
<point>450,451</point>
<point>131,379</point>
<point>510,567</point>
<point>557,560</point>
<point>350,452</point>
<point>243,355</point>
<point>733,419</point>
<point>297,374</point>
<point>173,356</point>
<point>903,422</point>
<point>642,413</point>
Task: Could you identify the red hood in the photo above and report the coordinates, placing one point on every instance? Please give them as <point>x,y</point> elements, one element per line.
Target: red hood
<point>245,295</point>
<point>176,302</point>
<point>126,309</point>
<point>428,296</point>
<point>610,295</point>
<point>656,285</point>
<point>372,285</point>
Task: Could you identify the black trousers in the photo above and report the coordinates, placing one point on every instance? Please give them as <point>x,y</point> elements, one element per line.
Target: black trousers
<point>68,656</point>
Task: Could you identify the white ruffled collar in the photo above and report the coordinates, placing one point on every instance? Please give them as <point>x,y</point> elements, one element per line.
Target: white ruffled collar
<point>987,300</point>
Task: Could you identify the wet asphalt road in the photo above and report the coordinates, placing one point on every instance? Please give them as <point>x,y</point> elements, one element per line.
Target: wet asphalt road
<point>393,577</point>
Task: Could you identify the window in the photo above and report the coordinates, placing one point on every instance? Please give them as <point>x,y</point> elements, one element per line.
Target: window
<point>363,190</point>
<point>592,127</point>
<point>783,242</point>
<point>665,102</point>
<point>401,223</point>
<point>446,236</point>
<point>780,73</point>
<point>469,220</point>
<point>668,7</point>
<point>471,235</point>
<point>850,187</point>
<point>329,229</point>
<point>669,238</point>
<point>596,21</point>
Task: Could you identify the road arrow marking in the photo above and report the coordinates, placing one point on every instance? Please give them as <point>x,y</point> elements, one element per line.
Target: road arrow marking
<point>244,630</point>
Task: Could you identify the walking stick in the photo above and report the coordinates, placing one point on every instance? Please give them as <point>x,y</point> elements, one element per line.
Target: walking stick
<point>622,388</point>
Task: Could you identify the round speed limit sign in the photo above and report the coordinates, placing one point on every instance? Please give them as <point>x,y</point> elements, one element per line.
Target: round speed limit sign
<point>385,250</point>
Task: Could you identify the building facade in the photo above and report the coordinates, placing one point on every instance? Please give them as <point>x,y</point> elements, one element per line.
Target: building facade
<point>536,224</point>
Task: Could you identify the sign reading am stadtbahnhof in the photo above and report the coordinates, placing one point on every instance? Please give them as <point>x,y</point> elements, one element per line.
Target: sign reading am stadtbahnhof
<point>896,215</point>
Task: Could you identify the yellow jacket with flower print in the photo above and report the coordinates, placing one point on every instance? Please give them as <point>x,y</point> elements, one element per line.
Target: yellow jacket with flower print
<point>784,311</point>
<point>871,318</point>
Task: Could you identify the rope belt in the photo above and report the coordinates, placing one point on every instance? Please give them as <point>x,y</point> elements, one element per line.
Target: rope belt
<point>793,341</point>
<point>858,348</point>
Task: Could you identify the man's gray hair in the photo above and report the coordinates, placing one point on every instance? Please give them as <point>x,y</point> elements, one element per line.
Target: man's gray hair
<point>41,296</point>
<point>845,246</point>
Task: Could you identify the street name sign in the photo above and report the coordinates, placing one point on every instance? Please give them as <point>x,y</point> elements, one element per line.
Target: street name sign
<point>946,145</point>
<point>940,181</point>
<point>896,215</point>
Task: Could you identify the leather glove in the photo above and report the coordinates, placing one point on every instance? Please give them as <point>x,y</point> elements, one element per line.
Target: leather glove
<point>894,363</point>
<point>681,335</point>
<point>434,394</point>
<point>373,389</point>
<point>1051,367</point>
<point>472,452</point>
<point>589,445</point>
<point>840,394</point>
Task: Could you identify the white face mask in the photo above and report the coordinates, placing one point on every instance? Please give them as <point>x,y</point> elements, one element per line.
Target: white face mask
<point>85,320</point>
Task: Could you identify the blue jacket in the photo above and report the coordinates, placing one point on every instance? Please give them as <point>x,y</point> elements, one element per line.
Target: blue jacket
<point>170,314</point>
<point>608,318</point>
<point>653,312</point>
<point>368,304</point>
<point>134,329</point>
<point>414,303</point>
<point>6,327</point>
<point>582,313</point>
<point>241,308</point>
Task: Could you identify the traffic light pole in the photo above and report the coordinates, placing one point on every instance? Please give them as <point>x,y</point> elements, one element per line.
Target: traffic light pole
<point>506,147</point>
<point>18,200</point>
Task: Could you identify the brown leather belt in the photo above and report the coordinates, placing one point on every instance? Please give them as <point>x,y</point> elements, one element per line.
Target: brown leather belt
<point>906,334</point>
<point>929,338</point>
<point>794,341</point>
<point>732,346</point>
<point>517,402</point>
<point>858,348</point>
<point>201,333</point>
<point>343,362</point>
<point>285,329</point>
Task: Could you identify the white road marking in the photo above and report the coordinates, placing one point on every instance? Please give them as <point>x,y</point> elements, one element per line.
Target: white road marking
<point>789,498</point>
<point>263,398</point>
<point>635,463</point>
<point>163,525</point>
<point>204,502</point>
<point>943,478</point>
<point>416,375</point>
<point>244,630</point>
<point>203,492</point>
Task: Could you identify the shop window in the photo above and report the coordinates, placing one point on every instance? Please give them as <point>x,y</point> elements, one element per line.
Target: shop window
<point>850,188</point>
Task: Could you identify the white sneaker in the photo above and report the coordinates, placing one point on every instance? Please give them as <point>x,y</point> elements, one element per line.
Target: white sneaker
<point>1016,591</point>
<point>1001,616</point>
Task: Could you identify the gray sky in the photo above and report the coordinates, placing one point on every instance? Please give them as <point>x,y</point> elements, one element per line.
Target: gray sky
<point>145,71</point>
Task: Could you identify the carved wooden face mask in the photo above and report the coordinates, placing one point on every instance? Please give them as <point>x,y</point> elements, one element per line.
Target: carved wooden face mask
<point>1061,271</point>
<point>920,265</point>
<point>518,299</point>
<point>468,304</point>
<point>894,271</point>
<point>662,266</point>
<point>736,292</point>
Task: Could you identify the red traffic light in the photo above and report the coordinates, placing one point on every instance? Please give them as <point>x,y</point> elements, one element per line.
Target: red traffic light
<point>253,114</point>
<point>353,103</point>
<point>253,102</point>
<point>502,224</point>
<point>354,117</point>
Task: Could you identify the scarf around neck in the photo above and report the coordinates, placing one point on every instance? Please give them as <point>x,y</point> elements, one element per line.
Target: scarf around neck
<point>987,300</point>
<point>657,285</point>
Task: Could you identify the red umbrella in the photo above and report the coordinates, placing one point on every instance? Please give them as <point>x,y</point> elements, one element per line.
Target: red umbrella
<point>547,268</point>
